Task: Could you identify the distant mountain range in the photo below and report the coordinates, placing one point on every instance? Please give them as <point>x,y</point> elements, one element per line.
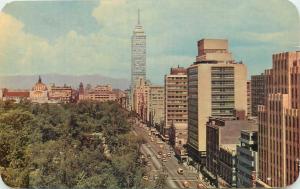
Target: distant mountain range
<point>27,81</point>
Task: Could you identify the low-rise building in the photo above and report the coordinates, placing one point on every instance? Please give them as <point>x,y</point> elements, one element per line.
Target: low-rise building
<point>178,134</point>
<point>227,165</point>
<point>224,133</point>
<point>15,95</point>
<point>60,94</point>
<point>101,93</point>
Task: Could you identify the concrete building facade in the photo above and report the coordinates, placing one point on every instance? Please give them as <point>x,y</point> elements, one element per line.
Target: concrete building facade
<point>141,99</point>
<point>60,93</point>
<point>14,95</point>
<point>178,139</point>
<point>138,55</point>
<point>222,139</point>
<point>175,99</point>
<point>39,92</point>
<point>247,159</point>
<point>279,122</point>
<point>101,93</point>
<point>157,101</point>
<point>216,86</point>
<point>258,93</point>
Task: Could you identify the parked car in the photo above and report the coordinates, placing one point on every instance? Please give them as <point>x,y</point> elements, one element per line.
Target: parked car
<point>186,184</point>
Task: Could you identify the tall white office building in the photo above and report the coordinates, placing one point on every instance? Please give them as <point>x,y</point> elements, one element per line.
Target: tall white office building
<point>138,53</point>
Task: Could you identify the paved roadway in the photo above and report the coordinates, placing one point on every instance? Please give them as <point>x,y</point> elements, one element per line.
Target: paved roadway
<point>174,180</point>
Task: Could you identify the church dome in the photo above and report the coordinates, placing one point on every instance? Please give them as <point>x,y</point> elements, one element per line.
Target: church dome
<point>39,86</point>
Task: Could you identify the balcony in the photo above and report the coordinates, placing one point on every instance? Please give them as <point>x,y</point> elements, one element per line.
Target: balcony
<point>246,151</point>
<point>244,170</point>
<point>219,106</point>
<point>247,141</point>
<point>222,99</point>
<point>222,85</point>
<point>223,92</point>
<point>246,161</point>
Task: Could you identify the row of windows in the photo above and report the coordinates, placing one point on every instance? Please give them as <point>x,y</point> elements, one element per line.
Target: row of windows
<point>177,120</point>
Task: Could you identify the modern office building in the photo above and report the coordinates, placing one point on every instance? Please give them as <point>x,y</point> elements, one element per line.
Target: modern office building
<point>175,99</point>
<point>247,159</point>
<point>222,138</point>
<point>157,101</point>
<point>216,87</point>
<point>279,122</point>
<point>138,54</point>
<point>258,93</point>
<point>141,99</point>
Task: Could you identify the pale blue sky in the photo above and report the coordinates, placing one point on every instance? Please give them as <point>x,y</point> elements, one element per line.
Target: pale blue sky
<point>84,37</point>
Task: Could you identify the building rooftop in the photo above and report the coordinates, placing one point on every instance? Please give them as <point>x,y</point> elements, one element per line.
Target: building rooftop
<point>230,128</point>
<point>231,131</point>
<point>24,94</point>
<point>231,148</point>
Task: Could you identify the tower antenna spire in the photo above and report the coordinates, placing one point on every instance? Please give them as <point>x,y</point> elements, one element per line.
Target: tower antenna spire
<point>138,16</point>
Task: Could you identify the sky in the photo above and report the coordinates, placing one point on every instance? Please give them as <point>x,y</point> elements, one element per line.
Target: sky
<point>93,37</point>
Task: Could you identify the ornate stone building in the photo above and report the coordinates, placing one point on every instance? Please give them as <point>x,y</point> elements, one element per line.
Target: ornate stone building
<point>39,92</point>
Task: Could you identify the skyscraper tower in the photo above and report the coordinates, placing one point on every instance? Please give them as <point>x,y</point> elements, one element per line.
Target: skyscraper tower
<point>138,53</point>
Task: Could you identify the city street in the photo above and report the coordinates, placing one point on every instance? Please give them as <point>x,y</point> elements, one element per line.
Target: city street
<point>187,179</point>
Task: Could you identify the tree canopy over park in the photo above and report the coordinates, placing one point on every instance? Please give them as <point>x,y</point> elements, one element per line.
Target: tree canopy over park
<point>84,145</point>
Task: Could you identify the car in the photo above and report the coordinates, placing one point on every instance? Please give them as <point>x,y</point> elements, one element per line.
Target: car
<point>180,171</point>
<point>186,184</point>
<point>164,155</point>
<point>158,156</point>
<point>155,177</point>
<point>200,186</point>
<point>149,134</point>
<point>169,154</point>
<point>145,177</point>
<point>164,159</point>
<point>148,156</point>
<point>159,152</point>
